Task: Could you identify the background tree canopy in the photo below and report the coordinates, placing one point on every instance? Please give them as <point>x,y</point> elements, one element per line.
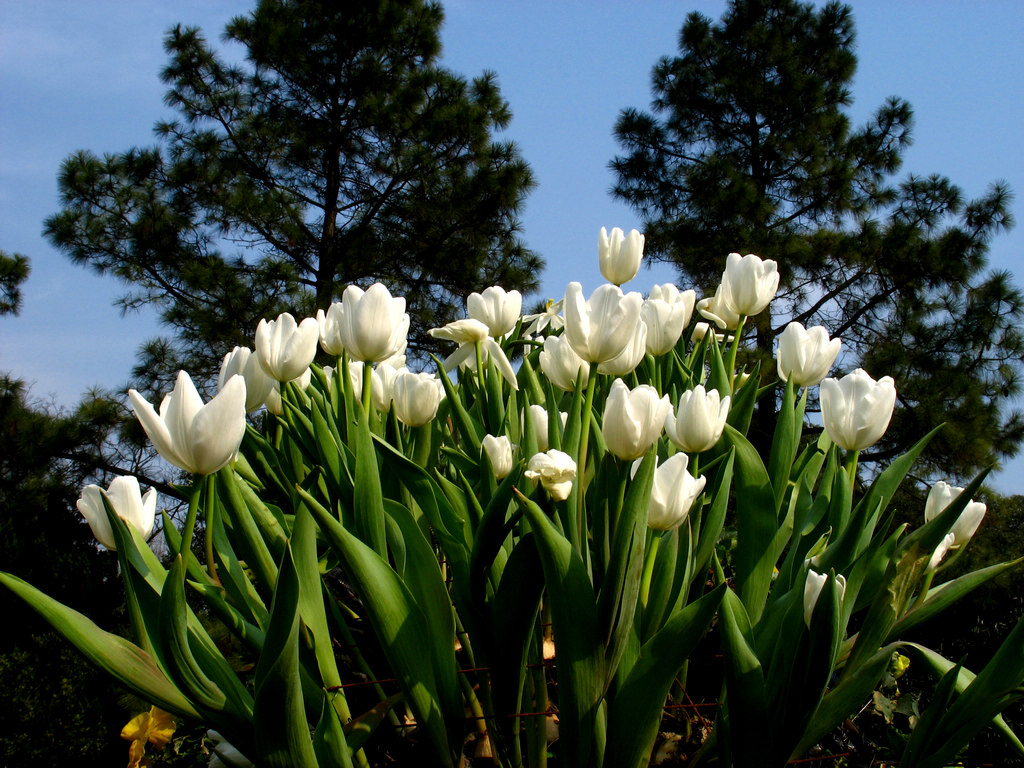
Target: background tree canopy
<point>337,152</point>
<point>748,147</point>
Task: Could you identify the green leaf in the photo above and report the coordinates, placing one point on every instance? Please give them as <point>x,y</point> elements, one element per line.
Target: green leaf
<point>745,711</point>
<point>130,665</point>
<point>580,661</point>
<point>617,599</point>
<point>415,655</point>
<point>941,597</point>
<point>756,521</point>
<point>635,713</point>
<point>279,717</point>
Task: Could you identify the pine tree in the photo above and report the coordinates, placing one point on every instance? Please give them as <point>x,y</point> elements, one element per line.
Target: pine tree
<point>748,147</point>
<point>337,152</point>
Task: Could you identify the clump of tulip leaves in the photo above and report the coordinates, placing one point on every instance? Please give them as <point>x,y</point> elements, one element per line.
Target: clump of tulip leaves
<point>528,562</point>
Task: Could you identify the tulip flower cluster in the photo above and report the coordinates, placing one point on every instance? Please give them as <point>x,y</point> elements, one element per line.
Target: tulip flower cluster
<point>514,540</point>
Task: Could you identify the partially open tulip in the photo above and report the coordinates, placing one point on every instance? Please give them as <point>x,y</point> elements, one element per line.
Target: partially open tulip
<point>471,334</point>
<point>600,328</point>
<point>941,496</point>
<point>718,311</point>
<point>699,420</point>
<point>416,397</point>
<point>749,283</point>
<point>560,363</point>
<point>666,313</point>
<point>258,384</point>
<point>806,356</point>
<point>555,470</point>
<point>619,255</point>
<point>673,492</point>
<point>498,451</point>
<point>633,419</point>
<point>373,324</point>
<point>856,409</point>
<point>940,552</point>
<point>136,509</point>
<point>812,591</point>
<point>496,308</point>
<point>285,348</point>
<point>192,436</point>
<point>550,318</point>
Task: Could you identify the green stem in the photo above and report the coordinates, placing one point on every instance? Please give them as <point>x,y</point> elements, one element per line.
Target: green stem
<point>211,510</point>
<point>581,462</point>
<point>851,466</point>
<point>190,518</point>
<point>367,387</point>
<point>731,367</point>
<point>645,580</point>
<point>480,373</point>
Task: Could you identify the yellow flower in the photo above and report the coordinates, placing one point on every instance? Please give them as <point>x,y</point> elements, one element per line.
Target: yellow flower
<point>154,727</point>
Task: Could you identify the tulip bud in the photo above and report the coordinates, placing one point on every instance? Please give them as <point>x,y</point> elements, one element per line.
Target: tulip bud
<point>416,397</point>
<point>600,328</point>
<point>633,419</point>
<point>856,409</point>
<point>749,283</point>
<point>497,309</point>
<point>812,591</point>
<point>560,363</point>
<point>136,509</point>
<point>555,471</point>
<point>286,349</point>
<point>373,325</point>
<point>673,492</point>
<point>699,420</point>
<point>618,255</point>
<point>242,361</point>
<point>941,496</point>
<point>538,416</point>
<point>806,355</point>
<point>192,436</point>
<point>330,328</point>
<point>499,452</point>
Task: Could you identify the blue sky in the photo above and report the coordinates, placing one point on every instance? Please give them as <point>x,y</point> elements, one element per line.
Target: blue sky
<point>85,75</point>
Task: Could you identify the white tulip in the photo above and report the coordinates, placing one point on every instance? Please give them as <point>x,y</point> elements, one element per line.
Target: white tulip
<point>699,420</point>
<point>192,436</point>
<point>619,256</point>
<point>633,419</point>
<point>137,510</point>
<point>673,492</point>
<point>285,348</point>
<point>497,309</point>
<point>600,328</point>
<point>555,470</point>
<point>941,495</point>
<point>373,324</point>
<point>258,384</point>
<point>806,356</point>
<point>498,451</point>
<point>560,363</point>
<point>856,409</point>
<point>749,283</point>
